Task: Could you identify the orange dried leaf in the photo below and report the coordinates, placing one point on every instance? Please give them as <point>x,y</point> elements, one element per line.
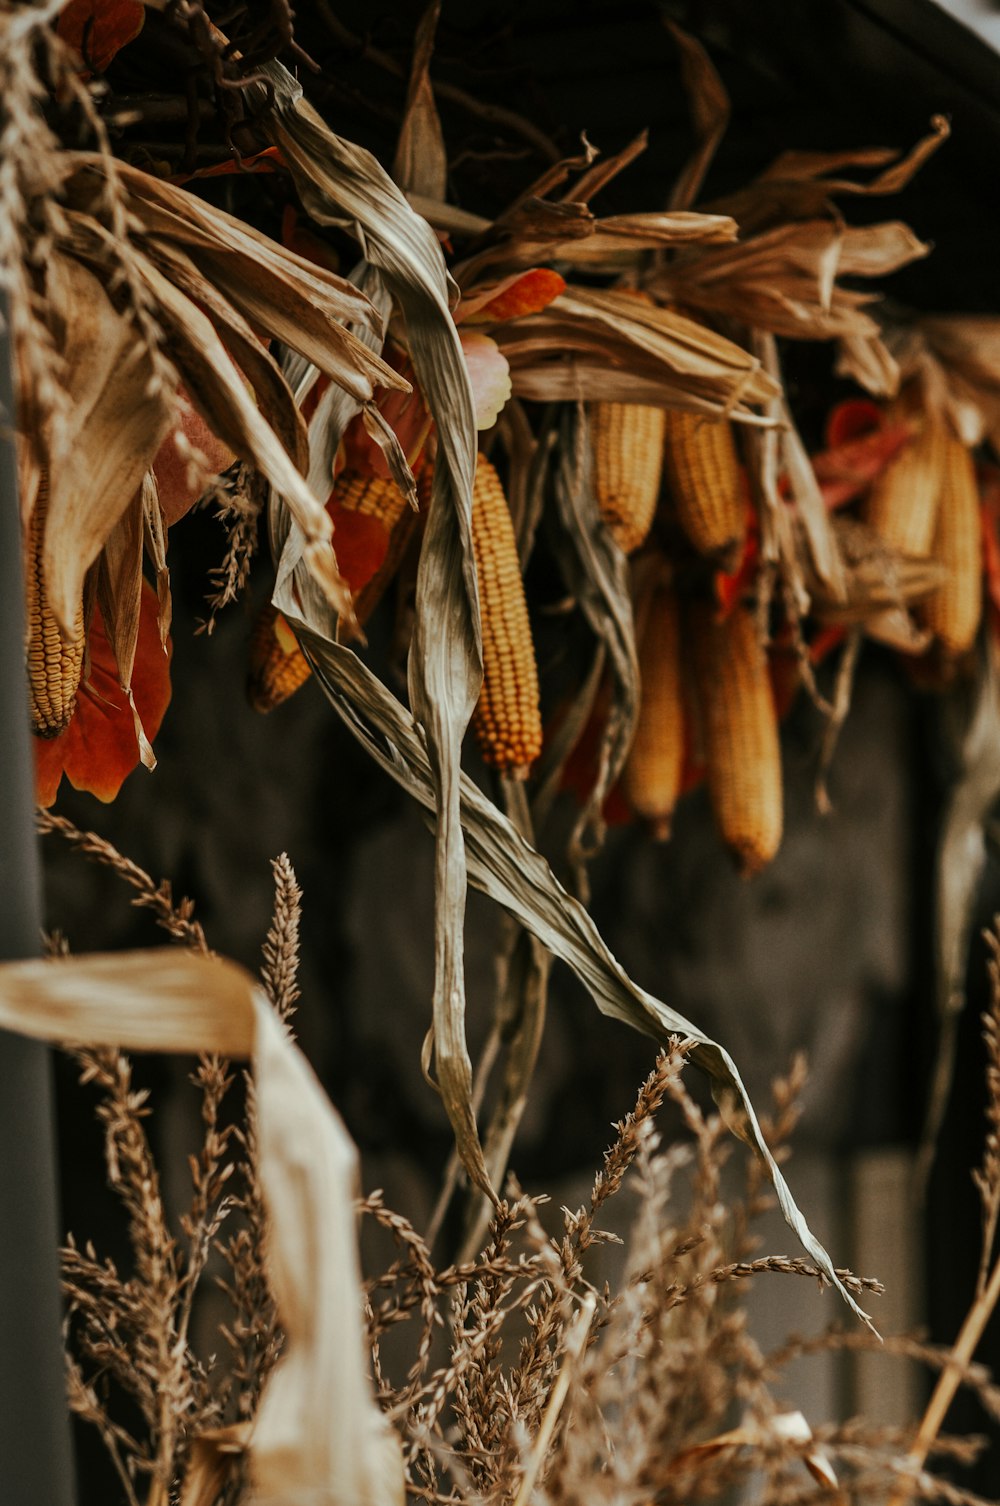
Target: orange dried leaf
<point>514,297</point>
<point>98,29</point>
<point>267,161</point>
<point>360,544</point>
<point>99,748</point>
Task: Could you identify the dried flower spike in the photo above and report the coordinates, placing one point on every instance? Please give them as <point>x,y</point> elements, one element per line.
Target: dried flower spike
<point>740,730</point>
<point>54,666</point>
<point>652,778</point>
<point>703,471</point>
<point>507,721</point>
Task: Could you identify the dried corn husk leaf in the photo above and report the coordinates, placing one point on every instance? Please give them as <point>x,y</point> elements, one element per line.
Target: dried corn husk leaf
<point>421,162</point>
<point>709,106</point>
<point>596,573</point>
<point>796,185</point>
<point>505,866</point>
<point>340,183</point>
<point>304,305</point>
<point>119,595</point>
<point>319,1434</point>
<point>876,577</point>
<point>784,279</point>
<point>971,734</point>
<point>155,538</point>
<point>603,345</point>
<point>99,445</point>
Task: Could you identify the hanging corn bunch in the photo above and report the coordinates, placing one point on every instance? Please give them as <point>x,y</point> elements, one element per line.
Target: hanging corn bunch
<point>507,721</point>
<point>627,440</point>
<point>953,611</point>
<point>740,732</point>
<point>703,472</point>
<point>652,778</point>
<point>55,663</point>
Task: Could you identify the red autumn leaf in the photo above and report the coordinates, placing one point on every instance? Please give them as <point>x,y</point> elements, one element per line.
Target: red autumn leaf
<point>825,641</point>
<point>361,544</point>
<point>269,160</point>
<point>406,414</point>
<point>99,748</point>
<point>178,484</point>
<point>513,298</point>
<point>297,237</point>
<point>730,589</point>
<point>98,29</point>
<point>848,469</point>
<point>852,419</point>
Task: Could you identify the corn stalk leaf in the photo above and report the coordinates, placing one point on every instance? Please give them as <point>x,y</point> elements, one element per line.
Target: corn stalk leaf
<point>421,163</point>
<point>506,867</point>
<point>101,444</point>
<point>341,184</point>
<point>597,574</point>
<point>319,1434</point>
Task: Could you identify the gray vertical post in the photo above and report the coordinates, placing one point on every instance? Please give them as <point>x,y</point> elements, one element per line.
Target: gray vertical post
<point>35,1452</point>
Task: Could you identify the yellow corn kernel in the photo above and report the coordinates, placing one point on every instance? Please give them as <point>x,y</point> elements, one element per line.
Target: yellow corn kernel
<point>652,779</point>
<point>507,721</point>
<point>278,667</point>
<point>953,611</point>
<point>372,496</point>
<point>703,473</point>
<point>54,667</point>
<point>740,734</point>
<point>627,440</point>
<point>903,505</point>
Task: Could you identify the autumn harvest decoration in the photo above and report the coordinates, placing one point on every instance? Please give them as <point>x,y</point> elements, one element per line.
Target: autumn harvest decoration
<point>546,458</point>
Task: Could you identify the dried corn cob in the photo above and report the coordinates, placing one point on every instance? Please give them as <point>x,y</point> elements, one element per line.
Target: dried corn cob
<point>372,496</point>
<point>278,667</point>
<point>953,611</point>
<point>507,720</point>
<point>54,667</point>
<point>704,475</point>
<point>903,505</point>
<point>740,731</point>
<point>627,440</point>
<point>652,778</point>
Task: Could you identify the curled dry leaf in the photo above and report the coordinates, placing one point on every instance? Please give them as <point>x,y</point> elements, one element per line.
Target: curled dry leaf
<point>339,182</point>
<point>318,1434</point>
<point>603,345</point>
<point>506,867</point>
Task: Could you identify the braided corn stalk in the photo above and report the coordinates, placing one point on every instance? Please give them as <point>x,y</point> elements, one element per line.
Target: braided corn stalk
<point>953,611</point>
<point>740,731</point>
<point>54,667</point>
<point>278,667</point>
<point>627,441</point>
<point>703,472</point>
<point>507,721</point>
<point>903,505</point>
<point>652,778</point>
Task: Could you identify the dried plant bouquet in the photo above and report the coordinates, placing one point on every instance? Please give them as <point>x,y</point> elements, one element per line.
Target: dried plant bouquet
<point>419,405</point>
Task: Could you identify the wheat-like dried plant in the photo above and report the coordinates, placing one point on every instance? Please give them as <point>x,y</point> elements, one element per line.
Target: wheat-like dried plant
<point>517,1376</point>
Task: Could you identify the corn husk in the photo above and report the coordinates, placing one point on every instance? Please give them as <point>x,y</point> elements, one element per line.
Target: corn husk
<point>318,1434</point>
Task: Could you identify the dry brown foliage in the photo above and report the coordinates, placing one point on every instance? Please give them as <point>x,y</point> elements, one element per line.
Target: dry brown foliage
<point>519,1374</point>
